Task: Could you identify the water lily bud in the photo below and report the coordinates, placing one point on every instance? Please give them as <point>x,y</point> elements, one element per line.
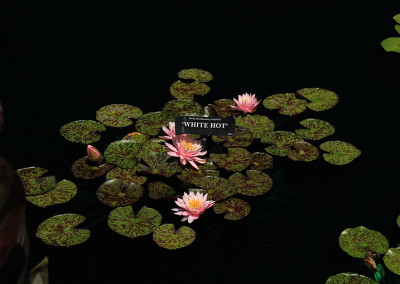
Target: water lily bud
<point>93,153</point>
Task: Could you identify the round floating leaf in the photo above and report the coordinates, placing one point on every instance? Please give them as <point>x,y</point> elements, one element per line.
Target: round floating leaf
<point>81,169</point>
<point>282,141</point>
<point>137,136</point>
<point>287,103</point>
<point>166,236</point>
<point>392,260</point>
<point>316,129</point>
<point>217,188</point>
<point>151,123</point>
<point>63,192</point>
<point>234,208</point>
<point>187,91</point>
<point>208,165</point>
<point>397,18</point>
<point>158,165</point>
<point>82,131</point>
<point>357,242</point>
<point>190,175</point>
<point>122,153</point>
<point>182,106</point>
<point>320,99</point>
<point>158,189</point>
<point>195,74</point>
<point>257,124</point>
<point>261,161</point>
<point>32,181</point>
<point>397,28</point>
<point>123,221</point>
<point>349,277</point>
<point>241,138</point>
<point>223,108</point>
<point>391,44</point>
<point>303,151</point>
<point>238,159</point>
<point>339,152</point>
<point>256,182</point>
<point>398,220</point>
<point>118,115</point>
<point>113,193</point>
<point>126,175</point>
<point>60,230</point>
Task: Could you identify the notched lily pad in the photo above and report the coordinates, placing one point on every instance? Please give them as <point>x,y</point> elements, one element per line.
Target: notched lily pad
<point>63,192</point>
<point>316,129</point>
<point>261,161</point>
<point>159,189</point>
<point>391,44</point>
<point>287,103</point>
<point>190,175</point>
<point>303,151</point>
<point>166,236</point>
<point>195,74</point>
<point>234,208</point>
<point>241,138</point>
<point>320,99</point>
<point>118,115</point>
<point>257,124</point>
<point>82,131</point>
<point>256,182</point>
<point>181,90</point>
<point>181,106</point>
<point>113,193</point>
<point>282,141</point>
<point>81,169</point>
<point>158,165</point>
<point>392,260</point>
<point>349,277</point>
<point>33,182</point>
<point>236,160</point>
<point>223,108</point>
<point>217,188</point>
<point>339,152</point>
<point>151,123</point>
<point>126,175</point>
<point>123,153</point>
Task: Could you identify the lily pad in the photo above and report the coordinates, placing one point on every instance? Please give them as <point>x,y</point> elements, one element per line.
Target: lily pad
<point>241,138</point>
<point>60,230</point>
<point>391,44</point>
<point>257,124</point>
<point>217,188</point>
<point>320,99</point>
<point>261,161</point>
<point>236,160</point>
<point>282,141</point>
<point>137,136</point>
<point>82,131</point>
<point>209,111</point>
<point>190,175</point>
<point>181,106</point>
<point>33,182</point>
<point>224,109</point>
<point>63,192</point>
<point>81,169</point>
<point>159,189</point>
<point>123,221</point>
<point>349,277</point>
<point>287,103</point>
<point>195,74</point>
<point>339,152</point>
<point>208,165</point>
<point>392,260</point>
<point>357,242</point>
<point>256,182</point>
<point>398,221</point>
<point>158,165</point>
<point>118,115</point>
<point>166,236</point>
<point>181,90</point>
<point>122,153</point>
<point>151,123</point>
<point>316,129</point>
<point>234,208</point>
<point>126,175</point>
<point>303,151</point>
<point>397,18</point>
<point>113,193</point>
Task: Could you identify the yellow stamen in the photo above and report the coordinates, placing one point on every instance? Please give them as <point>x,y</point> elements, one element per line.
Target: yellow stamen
<point>190,146</point>
<point>194,203</point>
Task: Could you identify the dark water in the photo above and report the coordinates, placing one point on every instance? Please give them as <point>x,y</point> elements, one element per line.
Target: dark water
<point>66,61</point>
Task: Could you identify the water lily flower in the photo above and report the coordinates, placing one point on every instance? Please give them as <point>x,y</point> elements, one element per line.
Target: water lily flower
<point>170,132</point>
<point>93,154</point>
<point>187,150</point>
<point>192,206</point>
<point>246,103</point>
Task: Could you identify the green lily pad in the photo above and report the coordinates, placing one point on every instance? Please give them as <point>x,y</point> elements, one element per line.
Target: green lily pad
<point>391,44</point>
<point>339,152</point>
<point>195,74</point>
<point>123,221</point>
<point>63,192</point>
<point>159,189</point>
<point>126,175</point>
<point>397,28</point>
<point>257,124</point>
<point>217,188</point>
<point>166,236</point>
<point>282,141</point>
<point>397,18</point>
<point>261,161</point>
<point>122,153</point>
<point>190,175</point>
<point>241,138</point>
<point>181,90</point>
<point>82,131</point>
<point>136,136</point>
<point>208,165</point>
<point>256,182</point>
<point>33,182</point>
<point>181,106</point>
<point>303,151</point>
<point>236,160</point>
<point>234,208</point>
<point>392,260</point>
<point>316,129</point>
<point>113,193</point>
<point>118,115</point>
<point>158,165</point>
<point>60,230</point>
<point>151,123</point>
<point>398,221</point>
<point>81,169</point>
<point>357,242</point>
<point>287,103</point>
<point>349,277</point>
<point>320,99</point>
<point>223,108</point>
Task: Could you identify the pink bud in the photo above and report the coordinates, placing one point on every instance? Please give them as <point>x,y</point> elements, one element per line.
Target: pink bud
<point>93,153</point>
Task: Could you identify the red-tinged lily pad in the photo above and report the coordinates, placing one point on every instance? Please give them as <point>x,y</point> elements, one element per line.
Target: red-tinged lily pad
<point>303,151</point>
<point>234,208</point>
<point>81,169</point>
<point>60,230</point>
<point>166,236</point>
<point>137,136</point>
<point>320,99</point>
<point>195,74</point>
<point>118,115</point>
<point>151,123</point>
<point>236,160</point>
<point>392,260</point>
<point>287,103</point>
<point>190,175</point>
<point>33,182</point>
<point>391,44</point>
<point>158,165</point>
<point>123,153</point>
<point>159,189</point>
<point>181,90</point>
<point>359,241</point>
<point>126,175</point>
<point>257,124</point>
<point>348,278</point>
<point>82,131</point>
<point>217,188</point>
<point>282,141</point>
<point>261,161</point>
<point>123,221</point>
<point>113,193</point>
<point>256,182</point>
<point>316,129</point>
<point>181,106</point>
<point>63,192</point>
<point>223,108</point>
<point>208,165</point>
<point>339,152</point>
<point>241,138</point>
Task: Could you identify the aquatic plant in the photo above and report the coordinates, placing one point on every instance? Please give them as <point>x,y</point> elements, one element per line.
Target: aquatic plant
<point>393,43</point>
<point>192,206</point>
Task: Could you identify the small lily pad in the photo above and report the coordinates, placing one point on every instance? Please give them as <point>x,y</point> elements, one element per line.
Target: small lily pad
<point>349,277</point>
<point>151,123</point>
<point>82,131</point>
<point>392,260</point>
<point>158,165</point>
<point>282,141</point>
<point>113,193</point>
<point>320,99</point>
<point>261,161</point>
<point>316,129</point>
<point>190,175</point>
<point>339,152</point>
<point>33,182</point>
<point>195,74</point>
<point>303,151</point>
<point>118,115</point>
<point>391,44</point>
<point>256,182</point>
<point>166,236</point>
<point>181,106</point>
<point>81,169</point>
<point>63,192</point>
<point>236,160</point>
<point>159,189</point>
<point>208,165</point>
<point>241,138</point>
<point>357,242</point>
<point>122,153</point>
<point>234,208</point>
<point>123,221</point>
<point>287,103</point>
<point>137,136</point>
<point>126,175</point>
<point>397,28</point>
<point>60,230</point>
<point>224,109</point>
<point>217,188</point>
<point>398,221</point>
<point>181,90</point>
<point>397,18</point>
<point>257,124</point>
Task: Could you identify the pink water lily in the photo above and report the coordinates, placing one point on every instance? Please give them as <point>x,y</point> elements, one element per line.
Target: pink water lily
<point>93,153</point>
<point>192,206</point>
<point>187,150</point>
<point>170,132</point>
<point>246,103</point>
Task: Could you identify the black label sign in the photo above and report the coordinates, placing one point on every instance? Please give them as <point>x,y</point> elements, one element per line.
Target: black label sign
<point>218,126</point>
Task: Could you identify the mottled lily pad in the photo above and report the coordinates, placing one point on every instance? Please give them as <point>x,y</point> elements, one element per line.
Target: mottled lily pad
<point>82,131</point>
<point>113,193</point>
<point>349,277</point>
<point>151,123</point>
<point>257,124</point>
<point>241,138</point>
<point>126,175</point>
<point>224,109</point>
<point>339,152</point>
<point>190,175</point>
<point>236,160</point>
<point>303,151</point>
<point>63,192</point>
<point>282,141</point>
<point>123,221</point>
<point>166,236</point>
<point>137,136</point>
<point>60,230</point>
<point>122,153</point>
<point>391,44</point>
<point>159,189</point>
<point>320,99</point>
<point>118,115</point>
<point>208,165</point>
<point>261,161</point>
<point>33,182</point>
<point>392,260</point>
<point>316,129</point>
<point>217,188</point>
<point>195,74</point>
<point>181,90</point>
<point>81,169</point>
<point>181,106</point>
<point>158,165</point>
<point>256,182</point>
<point>357,242</point>
<point>287,103</point>
<point>234,208</point>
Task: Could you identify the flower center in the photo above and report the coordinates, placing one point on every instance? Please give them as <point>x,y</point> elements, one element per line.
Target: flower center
<point>194,203</point>
<point>188,145</point>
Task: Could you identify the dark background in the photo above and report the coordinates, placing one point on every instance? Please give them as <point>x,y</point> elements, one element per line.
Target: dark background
<point>63,61</point>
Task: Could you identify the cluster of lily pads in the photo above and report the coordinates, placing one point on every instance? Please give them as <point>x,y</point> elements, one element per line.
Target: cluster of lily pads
<point>393,43</point>
<point>132,165</point>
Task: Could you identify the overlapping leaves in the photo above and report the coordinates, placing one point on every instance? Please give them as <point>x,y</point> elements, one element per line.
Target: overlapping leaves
<point>113,193</point>
<point>118,115</point>
<point>236,160</point>
<point>255,183</point>
<point>81,169</point>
